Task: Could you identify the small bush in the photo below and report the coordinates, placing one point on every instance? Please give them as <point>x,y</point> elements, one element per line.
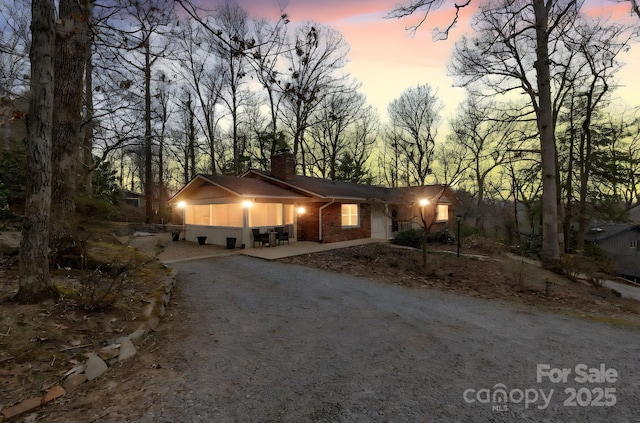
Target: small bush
<point>409,238</point>
<point>5,213</point>
<point>441,237</point>
<point>597,255</point>
<point>95,208</point>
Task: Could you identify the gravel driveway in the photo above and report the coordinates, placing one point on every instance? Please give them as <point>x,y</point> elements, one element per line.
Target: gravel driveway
<point>266,341</point>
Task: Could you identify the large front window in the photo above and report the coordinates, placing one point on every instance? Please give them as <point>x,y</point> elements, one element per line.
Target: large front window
<point>350,215</point>
<point>229,215</point>
<point>270,214</point>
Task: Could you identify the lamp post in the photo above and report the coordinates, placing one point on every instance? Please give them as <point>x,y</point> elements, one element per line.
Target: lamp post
<point>424,203</point>
<point>458,219</point>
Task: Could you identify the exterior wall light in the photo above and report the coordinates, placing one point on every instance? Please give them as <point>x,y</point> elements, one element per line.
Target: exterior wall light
<point>301,210</point>
<point>246,204</point>
<point>182,204</point>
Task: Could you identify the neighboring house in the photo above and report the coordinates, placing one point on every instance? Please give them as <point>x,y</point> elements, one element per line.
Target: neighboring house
<point>311,209</point>
<point>621,243</point>
<point>133,199</point>
<point>634,214</point>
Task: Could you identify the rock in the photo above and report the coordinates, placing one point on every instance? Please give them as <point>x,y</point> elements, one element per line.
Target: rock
<point>95,367</point>
<point>74,380</point>
<point>109,352</point>
<point>153,322</point>
<point>53,393</point>
<point>139,333</point>
<point>127,350</point>
<point>9,243</point>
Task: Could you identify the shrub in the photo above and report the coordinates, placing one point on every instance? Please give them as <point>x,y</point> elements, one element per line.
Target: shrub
<point>441,237</point>
<point>5,213</point>
<point>13,174</point>
<point>100,209</point>
<point>409,238</point>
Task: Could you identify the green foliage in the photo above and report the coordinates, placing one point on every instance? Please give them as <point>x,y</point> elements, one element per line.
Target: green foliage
<point>352,171</point>
<point>595,252</point>
<point>610,209</point>
<point>410,238</point>
<point>5,213</point>
<point>105,184</point>
<point>13,174</point>
<point>96,208</point>
<point>441,237</point>
<point>101,203</point>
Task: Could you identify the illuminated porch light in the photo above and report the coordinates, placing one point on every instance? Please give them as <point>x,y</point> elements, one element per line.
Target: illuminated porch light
<point>246,204</point>
<point>182,204</point>
<point>301,210</point>
<point>423,202</point>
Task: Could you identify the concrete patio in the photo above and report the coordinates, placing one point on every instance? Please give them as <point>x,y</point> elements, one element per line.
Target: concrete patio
<point>180,251</point>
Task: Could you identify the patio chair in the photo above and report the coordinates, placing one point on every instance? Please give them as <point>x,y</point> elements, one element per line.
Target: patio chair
<point>281,235</point>
<point>258,237</point>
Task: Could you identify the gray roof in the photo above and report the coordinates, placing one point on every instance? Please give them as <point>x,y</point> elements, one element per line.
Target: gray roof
<point>326,188</point>
<point>605,231</point>
<point>243,187</point>
<point>254,183</point>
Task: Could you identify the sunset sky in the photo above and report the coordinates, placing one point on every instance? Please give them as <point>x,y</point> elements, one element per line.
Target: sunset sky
<point>387,60</point>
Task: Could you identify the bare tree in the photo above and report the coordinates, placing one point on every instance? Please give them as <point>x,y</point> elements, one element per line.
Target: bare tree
<point>392,167</point>
<point>488,138</point>
<point>316,55</point>
<point>451,162</point>
<point>35,281</point>
<point>143,25</point>
<point>71,46</point>
<point>336,113</point>
<point>513,38</point>
<point>364,135</point>
<point>201,70</point>
<point>416,115</point>
<point>635,5</point>
<point>232,23</point>
<point>265,60</point>
<point>599,46</point>
<point>14,48</point>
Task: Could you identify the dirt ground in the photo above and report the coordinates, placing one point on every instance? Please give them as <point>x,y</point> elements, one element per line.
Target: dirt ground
<point>479,274</point>
<point>39,343</point>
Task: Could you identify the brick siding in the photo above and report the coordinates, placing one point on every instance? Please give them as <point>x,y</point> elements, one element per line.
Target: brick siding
<point>332,230</point>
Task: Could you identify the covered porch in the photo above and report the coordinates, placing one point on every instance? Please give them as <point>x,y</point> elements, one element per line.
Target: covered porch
<point>233,220</point>
<point>221,210</point>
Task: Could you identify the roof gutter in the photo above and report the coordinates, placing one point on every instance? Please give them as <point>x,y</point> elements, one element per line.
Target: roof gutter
<point>333,200</point>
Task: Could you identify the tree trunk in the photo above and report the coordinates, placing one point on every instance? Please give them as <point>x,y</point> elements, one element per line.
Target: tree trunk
<point>35,282</point>
<point>550,241</point>
<point>68,68</point>
<point>568,216</point>
<point>148,162</point>
<point>87,129</point>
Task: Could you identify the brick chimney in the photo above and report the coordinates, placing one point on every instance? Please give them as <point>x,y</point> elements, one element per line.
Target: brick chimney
<point>283,165</point>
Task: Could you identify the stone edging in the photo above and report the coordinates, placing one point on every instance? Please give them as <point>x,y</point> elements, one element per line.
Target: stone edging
<point>117,351</point>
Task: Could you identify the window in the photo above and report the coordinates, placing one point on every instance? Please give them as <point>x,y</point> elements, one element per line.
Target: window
<point>633,244</point>
<point>215,215</point>
<point>265,214</point>
<point>198,215</point>
<point>350,215</point>
<point>226,215</point>
<point>288,214</point>
<point>442,213</point>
